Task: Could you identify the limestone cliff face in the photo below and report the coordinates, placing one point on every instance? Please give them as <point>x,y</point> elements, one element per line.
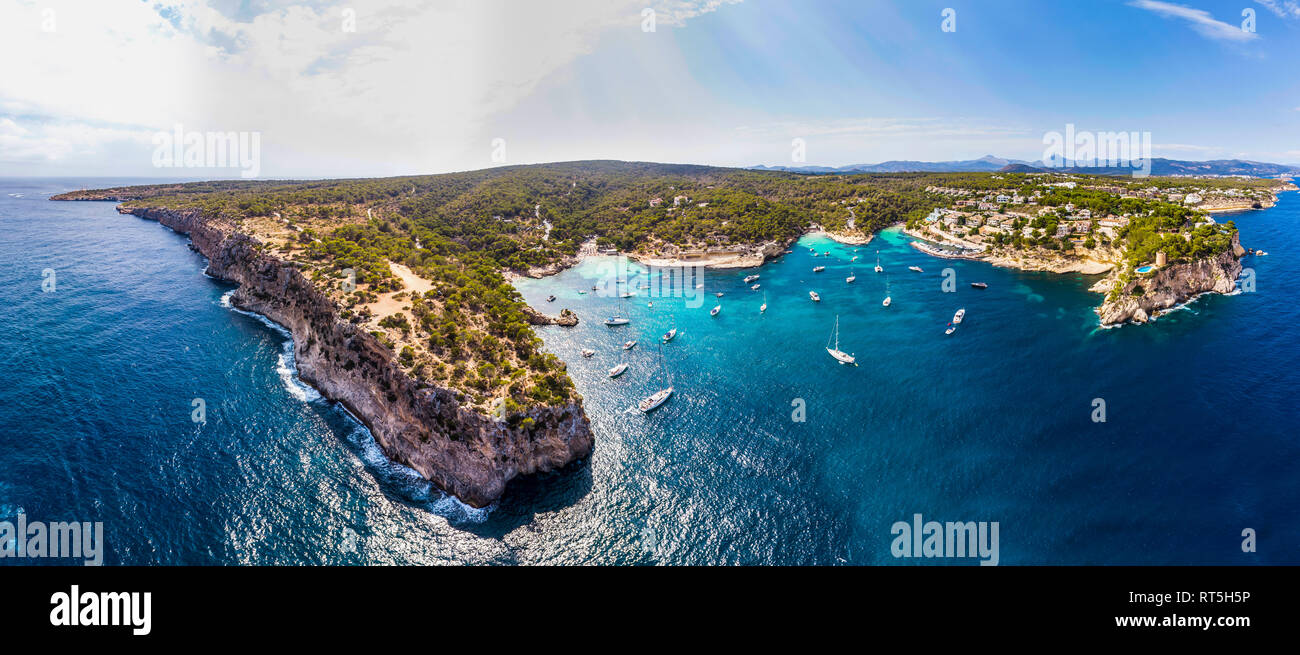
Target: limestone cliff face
<point>463,452</point>
<point>1172,285</point>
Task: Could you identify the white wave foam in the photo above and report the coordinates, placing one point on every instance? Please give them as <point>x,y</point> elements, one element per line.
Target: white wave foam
<point>412,485</point>
<point>285,366</point>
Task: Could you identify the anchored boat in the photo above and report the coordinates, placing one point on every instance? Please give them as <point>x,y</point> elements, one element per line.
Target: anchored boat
<point>839,355</point>
<point>618,318</point>
<point>654,400</point>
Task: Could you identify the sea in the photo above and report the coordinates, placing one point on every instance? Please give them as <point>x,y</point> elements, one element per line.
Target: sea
<point>136,396</point>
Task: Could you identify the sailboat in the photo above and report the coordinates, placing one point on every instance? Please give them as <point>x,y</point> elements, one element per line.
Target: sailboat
<point>762,308</point>
<point>852,276</point>
<point>618,318</point>
<point>878,268</point>
<point>654,400</point>
<point>839,355</point>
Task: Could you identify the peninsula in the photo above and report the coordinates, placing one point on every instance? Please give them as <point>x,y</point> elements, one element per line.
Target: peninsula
<point>397,293</point>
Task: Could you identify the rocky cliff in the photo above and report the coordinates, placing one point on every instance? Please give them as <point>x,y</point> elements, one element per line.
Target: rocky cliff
<point>425,427</point>
<point>1145,296</point>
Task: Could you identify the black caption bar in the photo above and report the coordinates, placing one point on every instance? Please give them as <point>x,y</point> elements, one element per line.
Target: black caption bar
<point>228,605</point>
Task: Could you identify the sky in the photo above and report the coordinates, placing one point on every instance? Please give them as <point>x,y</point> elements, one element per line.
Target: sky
<point>395,87</point>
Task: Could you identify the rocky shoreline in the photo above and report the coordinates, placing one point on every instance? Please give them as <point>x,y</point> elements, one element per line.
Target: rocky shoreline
<point>1169,287</point>
<point>422,426</point>
<point>1161,291</point>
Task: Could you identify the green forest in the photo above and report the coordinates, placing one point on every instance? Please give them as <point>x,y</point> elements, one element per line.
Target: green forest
<point>463,230</point>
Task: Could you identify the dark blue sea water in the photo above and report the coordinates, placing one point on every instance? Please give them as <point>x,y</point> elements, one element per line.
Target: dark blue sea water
<point>992,423</point>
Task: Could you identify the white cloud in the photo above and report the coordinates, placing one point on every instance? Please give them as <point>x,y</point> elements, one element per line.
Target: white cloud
<point>1201,20</point>
<point>415,88</point>
<point>1283,8</point>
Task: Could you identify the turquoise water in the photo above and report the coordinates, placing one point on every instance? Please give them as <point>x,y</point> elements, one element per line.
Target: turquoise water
<point>1144,269</point>
<point>992,423</point>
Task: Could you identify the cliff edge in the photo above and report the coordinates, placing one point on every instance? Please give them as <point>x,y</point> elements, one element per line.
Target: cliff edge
<point>1146,296</point>
<point>464,452</point>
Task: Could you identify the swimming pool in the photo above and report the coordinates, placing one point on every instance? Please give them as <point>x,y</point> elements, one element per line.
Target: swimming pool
<point>1145,269</point>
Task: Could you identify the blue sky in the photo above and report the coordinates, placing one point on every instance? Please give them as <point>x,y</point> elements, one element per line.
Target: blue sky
<point>421,87</point>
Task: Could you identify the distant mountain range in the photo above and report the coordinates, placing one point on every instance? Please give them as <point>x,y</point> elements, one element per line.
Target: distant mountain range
<point>990,163</point>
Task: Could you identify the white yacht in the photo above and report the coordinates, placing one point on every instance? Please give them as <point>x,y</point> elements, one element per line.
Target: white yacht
<point>618,370</point>
<point>654,400</point>
<point>839,355</point>
<point>814,296</point>
<point>587,352</point>
<point>852,276</point>
<point>668,336</point>
<point>755,287</point>
<point>887,301</point>
<point>915,268</point>
<point>763,307</point>
<point>956,318</point>
<point>818,269</point>
<point>628,345</point>
<point>618,318</point>
<point>750,278</point>
<point>715,310</point>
